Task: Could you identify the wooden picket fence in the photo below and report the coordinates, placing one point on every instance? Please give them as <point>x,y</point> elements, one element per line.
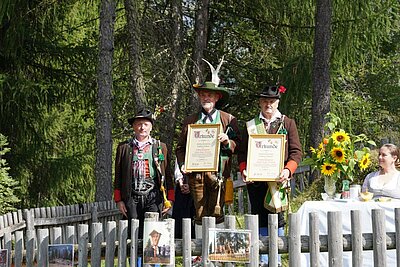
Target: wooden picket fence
<point>108,241</point>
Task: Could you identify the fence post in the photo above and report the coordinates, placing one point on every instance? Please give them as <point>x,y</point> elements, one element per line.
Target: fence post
<point>356,238</point>
<point>110,243</point>
<point>122,237</point>
<point>70,235</point>
<point>251,223</point>
<point>97,238</point>
<point>294,239</point>
<point>83,239</point>
<point>8,246</point>
<point>397,225</point>
<point>187,241</point>
<point>134,242</point>
<point>43,240</point>
<point>273,239</point>
<point>335,239</point>
<point>30,237</point>
<point>171,225</point>
<point>19,248</point>
<point>314,242</point>
<point>94,213</point>
<point>379,237</point>
<point>207,223</point>
<point>55,235</point>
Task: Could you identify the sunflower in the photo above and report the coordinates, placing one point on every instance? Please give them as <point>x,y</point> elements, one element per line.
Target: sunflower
<point>340,137</point>
<point>328,168</point>
<point>365,162</point>
<point>313,150</point>
<point>338,154</point>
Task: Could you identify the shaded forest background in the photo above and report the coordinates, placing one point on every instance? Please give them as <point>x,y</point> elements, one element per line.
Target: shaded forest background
<point>49,76</point>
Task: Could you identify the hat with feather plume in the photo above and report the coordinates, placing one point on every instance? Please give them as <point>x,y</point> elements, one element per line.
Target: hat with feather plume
<point>213,85</point>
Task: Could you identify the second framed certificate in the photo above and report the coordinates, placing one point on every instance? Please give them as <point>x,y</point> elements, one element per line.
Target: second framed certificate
<point>202,147</point>
<point>265,156</point>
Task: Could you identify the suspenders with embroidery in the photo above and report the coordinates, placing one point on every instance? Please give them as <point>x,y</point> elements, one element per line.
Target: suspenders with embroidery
<point>140,185</point>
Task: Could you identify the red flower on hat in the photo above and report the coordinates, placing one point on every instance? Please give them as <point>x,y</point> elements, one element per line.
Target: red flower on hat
<point>282,89</point>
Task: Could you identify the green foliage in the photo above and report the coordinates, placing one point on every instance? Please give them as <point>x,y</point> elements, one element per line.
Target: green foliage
<point>8,186</point>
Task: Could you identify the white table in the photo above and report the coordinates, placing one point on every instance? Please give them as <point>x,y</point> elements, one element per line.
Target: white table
<point>322,208</point>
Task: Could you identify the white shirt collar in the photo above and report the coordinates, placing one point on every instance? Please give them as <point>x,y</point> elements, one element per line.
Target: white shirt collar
<point>274,117</point>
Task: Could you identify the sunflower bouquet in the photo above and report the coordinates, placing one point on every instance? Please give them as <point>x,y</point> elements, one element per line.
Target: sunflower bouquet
<point>340,155</point>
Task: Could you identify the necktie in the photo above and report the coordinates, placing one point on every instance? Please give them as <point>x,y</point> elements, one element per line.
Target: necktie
<point>208,115</point>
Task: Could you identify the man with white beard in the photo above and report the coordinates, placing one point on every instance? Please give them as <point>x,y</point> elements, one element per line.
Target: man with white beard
<point>208,188</point>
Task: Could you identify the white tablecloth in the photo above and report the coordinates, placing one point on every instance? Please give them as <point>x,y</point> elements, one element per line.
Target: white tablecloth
<point>322,208</point>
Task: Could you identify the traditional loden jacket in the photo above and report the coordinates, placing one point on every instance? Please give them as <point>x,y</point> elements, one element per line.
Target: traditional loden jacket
<point>123,172</point>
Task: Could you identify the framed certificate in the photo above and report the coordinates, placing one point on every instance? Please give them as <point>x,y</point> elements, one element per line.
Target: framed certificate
<point>265,157</point>
<point>202,147</point>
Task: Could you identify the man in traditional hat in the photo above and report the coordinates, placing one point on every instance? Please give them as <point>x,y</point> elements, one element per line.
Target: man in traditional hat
<point>271,121</point>
<point>208,188</point>
<point>141,171</point>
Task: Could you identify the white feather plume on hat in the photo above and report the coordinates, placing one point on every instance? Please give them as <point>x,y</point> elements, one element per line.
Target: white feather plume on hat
<point>214,72</point>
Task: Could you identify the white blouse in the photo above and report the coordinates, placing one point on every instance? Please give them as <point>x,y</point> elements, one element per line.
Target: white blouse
<point>389,189</point>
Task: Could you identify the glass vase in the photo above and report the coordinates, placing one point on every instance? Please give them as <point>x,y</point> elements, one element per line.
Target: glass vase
<point>329,186</point>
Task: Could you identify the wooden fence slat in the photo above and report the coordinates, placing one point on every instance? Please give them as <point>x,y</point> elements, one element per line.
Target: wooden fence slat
<point>187,241</point>
<point>122,237</point>
<point>397,225</point>
<point>56,235</point>
<point>83,240</point>
<point>294,239</point>
<point>111,234</point>
<point>356,238</point>
<point>251,223</point>
<point>134,242</point>
<point>30,248</point>
<point>273,239</point>
<point>9,219</point>
<point>70,234</point>
<point>19,248</point>
<point>8,246</point>
<point>379,237</point>
<point>335,239</point>
<point>97,238</point>
<point>43,212</point>
<point>43,243</point>
<point>15,217</point>
<point>314,242</point>
<point>207,223</point>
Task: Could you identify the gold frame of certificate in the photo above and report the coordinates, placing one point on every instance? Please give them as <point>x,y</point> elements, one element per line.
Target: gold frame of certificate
<point>265,157</point>
<point>202,147</point>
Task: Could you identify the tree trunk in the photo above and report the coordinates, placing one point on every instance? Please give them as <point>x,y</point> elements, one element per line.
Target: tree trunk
<point>134,46</point>
<point>200,44</point>
<point>178,66</point>
<point>103,168</point>
<point>321,75</point>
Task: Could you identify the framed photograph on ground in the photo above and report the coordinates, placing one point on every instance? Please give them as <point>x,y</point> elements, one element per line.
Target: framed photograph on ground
<point>202,147</point>
<point>229,245</point>
<point>265,157</point>
<point>3,257</point>
<point>61,255</point>
<point>158,242</point>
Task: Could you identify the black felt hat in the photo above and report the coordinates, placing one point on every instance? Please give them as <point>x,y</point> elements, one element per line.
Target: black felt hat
<point>274,91</point>
<point>142,114</point>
